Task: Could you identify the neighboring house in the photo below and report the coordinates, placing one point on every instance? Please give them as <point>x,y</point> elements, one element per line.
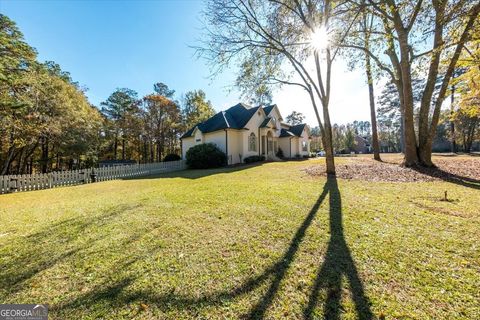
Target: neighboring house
<point>114,163</point>
<point>244,131</point>
<point>361,145</point>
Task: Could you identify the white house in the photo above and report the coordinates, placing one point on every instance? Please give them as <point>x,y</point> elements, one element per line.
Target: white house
<point>244,131</point>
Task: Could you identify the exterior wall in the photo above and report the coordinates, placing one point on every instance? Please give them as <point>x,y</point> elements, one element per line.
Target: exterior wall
<point>252,126</point>
<point>187,143</point>
<point>284,144</point>
<point>235,143</point>
<point>218,138</point>
<point>295,147</point>
<point>235,146</point>
<point>305,139</point>
<point>198,137</point>
<point>278,117</point>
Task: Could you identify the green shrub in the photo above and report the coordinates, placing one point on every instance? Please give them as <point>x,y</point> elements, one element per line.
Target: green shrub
<point>171,157</point>
<point>205,155</point>
<point>254,159</point>
<point>280,153</point>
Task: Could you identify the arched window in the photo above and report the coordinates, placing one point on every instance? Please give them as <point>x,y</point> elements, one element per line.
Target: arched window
<point>252,142</point>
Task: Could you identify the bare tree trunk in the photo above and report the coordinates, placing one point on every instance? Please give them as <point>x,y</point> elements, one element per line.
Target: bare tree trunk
<point>411,157</point>
<point>115,147</point>
<point>452,123</point>
<point>425,150</point>
<point>44,161</point>
<point>123,148</point>
<point>373,116</point>
<point>8,160</point>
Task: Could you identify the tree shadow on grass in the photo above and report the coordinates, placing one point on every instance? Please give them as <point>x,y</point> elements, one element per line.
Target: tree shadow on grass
<point>338,262</point>
<point>446,176</point>
<point>106,292</point>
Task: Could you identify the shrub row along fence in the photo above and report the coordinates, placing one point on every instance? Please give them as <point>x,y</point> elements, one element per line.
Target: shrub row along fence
<point>28,182</point>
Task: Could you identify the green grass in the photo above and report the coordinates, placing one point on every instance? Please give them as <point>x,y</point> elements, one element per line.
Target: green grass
<point>257,241</point>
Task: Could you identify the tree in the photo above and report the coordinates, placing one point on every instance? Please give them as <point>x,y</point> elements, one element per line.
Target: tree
<point>295,118</point>
<point>315,142</point>
<point>368,71</point>
<point>275,51</point>
<point>466,118</point>
<point>162,118</point>
<point>162,89</point>
<point>361,33</point>
<point>116,108</point>
<point>349,139</point>
<point>196,108</point>
<point>16,61</point>
<point>401,29</point>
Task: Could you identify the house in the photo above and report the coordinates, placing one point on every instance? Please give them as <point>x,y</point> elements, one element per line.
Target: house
<point>242,131</point>
<point>114,163</point>
<point>361,145</point>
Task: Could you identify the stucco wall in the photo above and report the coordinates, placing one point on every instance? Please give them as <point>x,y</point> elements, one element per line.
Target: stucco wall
<point>252,126</point>
<point>295,147</point>
<point>305,138</point>
<point>217,138</point>
<point>187,143</point>
<point>284,144</point>
<point>235,145</point>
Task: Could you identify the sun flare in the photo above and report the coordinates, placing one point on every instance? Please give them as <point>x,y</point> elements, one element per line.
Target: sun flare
<point>319,38</point>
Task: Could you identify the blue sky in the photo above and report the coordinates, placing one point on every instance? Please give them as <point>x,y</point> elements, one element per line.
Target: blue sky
<point>111,44</point>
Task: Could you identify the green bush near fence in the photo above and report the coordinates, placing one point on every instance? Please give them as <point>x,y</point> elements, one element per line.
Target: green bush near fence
<point>204,156</point>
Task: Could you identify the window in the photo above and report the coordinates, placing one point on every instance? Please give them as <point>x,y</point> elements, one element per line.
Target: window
<point>252,142</point>
<point>304,145</point>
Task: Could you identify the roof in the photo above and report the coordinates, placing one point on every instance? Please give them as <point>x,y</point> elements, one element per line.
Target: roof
<point>286,133</point>
<point>265,122</point>
<point>297,129</point>
<point>269,108</point>
<point>235,117</point>
<point>292,131</point>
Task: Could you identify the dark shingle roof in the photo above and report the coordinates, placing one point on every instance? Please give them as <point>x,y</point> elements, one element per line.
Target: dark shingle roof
<point>265,122</point>
<point>297,129</point>
<point>286,133</point>
<point>293,131</point>
<point>269,108</point>
<point>235,117</point>
<point>188,133</point>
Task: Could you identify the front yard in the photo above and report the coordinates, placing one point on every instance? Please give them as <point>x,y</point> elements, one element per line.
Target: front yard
<point>266,241</point>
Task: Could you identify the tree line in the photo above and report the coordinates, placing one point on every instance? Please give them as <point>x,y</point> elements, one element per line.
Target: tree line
<point>47,122</point>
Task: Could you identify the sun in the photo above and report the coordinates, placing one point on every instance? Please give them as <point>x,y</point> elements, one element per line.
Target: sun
<point>319,38</point>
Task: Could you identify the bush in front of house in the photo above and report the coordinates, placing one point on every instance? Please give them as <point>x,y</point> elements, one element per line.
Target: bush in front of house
<point>280,153</point>
<point>254,159</point>
<point>171,157</point>
<point>205,155</point>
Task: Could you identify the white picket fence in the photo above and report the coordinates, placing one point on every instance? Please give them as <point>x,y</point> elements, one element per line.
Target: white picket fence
<point>28,182</point>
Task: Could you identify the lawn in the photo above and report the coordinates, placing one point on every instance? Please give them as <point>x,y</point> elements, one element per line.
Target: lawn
<point>266,241</point>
